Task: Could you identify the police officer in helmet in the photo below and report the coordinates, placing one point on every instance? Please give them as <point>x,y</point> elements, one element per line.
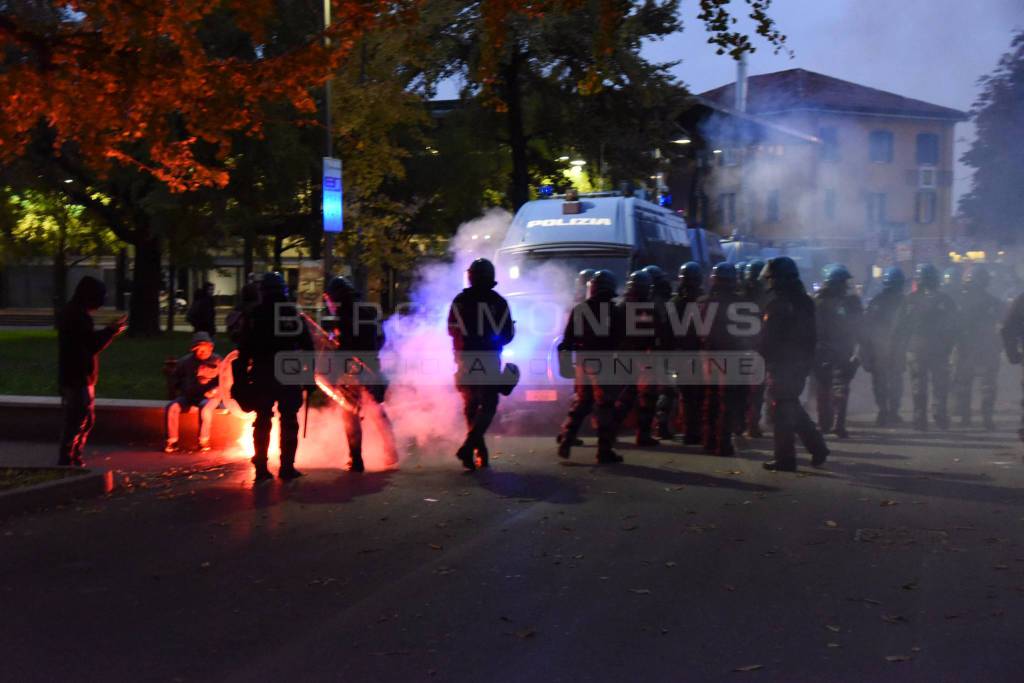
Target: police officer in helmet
<point>788,345</point>
<point>838,318</point>
<point>977,347</point>
<point>724,402</point>
<point>594,330</point>
<point>645,332</point>
<point>691,392</point>
<point>880,350</point>
<point>480,325</point>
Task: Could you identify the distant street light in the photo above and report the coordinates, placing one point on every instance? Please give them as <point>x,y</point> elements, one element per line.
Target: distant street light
<point>577,162</point>
<point>682,141</point>
<point>563,158</point>
<point>716,151</point>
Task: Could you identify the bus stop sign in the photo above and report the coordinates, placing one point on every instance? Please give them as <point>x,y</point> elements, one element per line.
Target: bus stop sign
<point>332,209</point>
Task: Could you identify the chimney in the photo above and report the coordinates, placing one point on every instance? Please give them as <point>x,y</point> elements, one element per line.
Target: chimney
<point>741,84</point>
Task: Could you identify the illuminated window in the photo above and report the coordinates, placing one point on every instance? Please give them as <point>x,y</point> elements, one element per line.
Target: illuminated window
<point>880,146</point>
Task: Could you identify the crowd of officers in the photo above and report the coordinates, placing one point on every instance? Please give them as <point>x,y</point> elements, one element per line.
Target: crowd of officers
<point>944,327</point>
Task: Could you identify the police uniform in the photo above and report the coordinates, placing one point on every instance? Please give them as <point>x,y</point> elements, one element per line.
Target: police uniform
<point>977,347</point>
<point>880,352</point>
<point>838,317</point>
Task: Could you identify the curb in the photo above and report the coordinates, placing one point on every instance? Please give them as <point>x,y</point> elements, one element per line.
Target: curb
<point>50,493</point>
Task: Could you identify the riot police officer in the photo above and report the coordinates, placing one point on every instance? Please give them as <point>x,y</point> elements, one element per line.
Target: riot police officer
<point>273,327</point>
<point>480,325</point>
<point>661,294</point>
<point>1013,343</point>
<point>977,347</point>
<point>357,333</point>
<point>788,345</point>
<point>838,315</point>
<point>594,327</point>
<point>645,331</point>
<point>723,402</point>
<point>926,329</point>
<point>691,393</point>
<point>752,290</point>
<point>882,355</point>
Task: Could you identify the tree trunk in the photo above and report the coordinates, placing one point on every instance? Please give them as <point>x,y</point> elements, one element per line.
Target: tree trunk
<point>517,139</point>
<point>278,248</point>
<point>60,271</point>
<point>247,256</point>
<point>122,276</point>
<point>144,316</point>
<point>172,295</point>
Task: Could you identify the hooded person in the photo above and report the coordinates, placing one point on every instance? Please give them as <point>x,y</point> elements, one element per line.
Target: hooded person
<point>79,345</point>
<point>838,315</point>
<point>592,333</point>
<point>480,325</point>
<point>880,351</point>
<point>356,331</point>
<point>195,384</point>
<point>788,344</point>
<point>273,332</point>
<point>926,331</point>
<point>977,349</point>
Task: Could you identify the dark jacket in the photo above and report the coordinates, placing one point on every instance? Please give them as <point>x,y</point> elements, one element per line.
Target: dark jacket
<point>978,323</point>
<point>202,314</point>
<point>927,323</point>
<point>479,320</point>
<point>1013,330</point>
<point>593,325</point>
<point>79,345</point>
<point>878,345</point>
<point>192,378</point>
<point>719,338</point>
<point>838,319</point>
<point>790,332</point>
<point>689,339</point>
<point>261,341</point>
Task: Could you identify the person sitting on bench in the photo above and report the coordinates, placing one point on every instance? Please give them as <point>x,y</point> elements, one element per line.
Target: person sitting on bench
<point>195,384</point>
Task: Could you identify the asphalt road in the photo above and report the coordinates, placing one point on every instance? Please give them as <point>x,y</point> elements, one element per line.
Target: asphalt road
<point>901,561</point>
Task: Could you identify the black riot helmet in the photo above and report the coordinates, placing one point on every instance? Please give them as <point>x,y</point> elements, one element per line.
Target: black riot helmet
<point>583,280</point>
<point>638,286</point>
<point>273,287</point>
<point>893,278</point>
<point>481,274</point>
<point>662,288</point>
<point>723,276</point>
<point>780,272</point>
<point>90,293</point>
<point>978,278</point>
<point>752,271</point>
<point>835,276</point>
<point>602,285</point>
<point>340,292</point>
<point>691,276</point>
<point>926,276</point>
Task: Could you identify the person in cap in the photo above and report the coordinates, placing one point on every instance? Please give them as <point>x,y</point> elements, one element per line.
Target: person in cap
<point>752,290</point>
<point>592,333</point>
<point>926,329</point>
<point>787,345</point>
<point>689,290</point>
<point>724,402</point>
<point>195,385</point>
<point>480,325</point>
<point>79,345</point>
<point>838,316</point>
<point>1012,332</point>
<point>356,332</point>
<point>880,351</point>
<point>273,327</point>
<point>977,347</point>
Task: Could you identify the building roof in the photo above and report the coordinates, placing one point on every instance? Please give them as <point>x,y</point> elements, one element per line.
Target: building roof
<point>799,89</point>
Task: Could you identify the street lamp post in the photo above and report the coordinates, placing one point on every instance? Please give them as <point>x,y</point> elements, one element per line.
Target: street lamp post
<point>328,146</point>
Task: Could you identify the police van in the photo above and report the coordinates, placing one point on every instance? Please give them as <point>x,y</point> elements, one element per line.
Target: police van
<point>606,231</point>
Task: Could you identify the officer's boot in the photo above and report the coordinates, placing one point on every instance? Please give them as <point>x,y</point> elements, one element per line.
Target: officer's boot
<point>565,440</point>
<point>356,460</point>
<point>839,429</point>
<point>261,445</point>
<point>483,456</point>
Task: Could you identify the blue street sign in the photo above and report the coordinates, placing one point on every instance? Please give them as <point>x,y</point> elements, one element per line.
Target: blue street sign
<point>332,207</point>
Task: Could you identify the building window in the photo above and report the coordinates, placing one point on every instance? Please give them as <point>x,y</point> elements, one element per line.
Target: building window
<point>727,208</point>
<point>876,209</point>
<point>829,143</point>
<point>830,204</point>
<point>927,149</point>
<point>771,207</point>
<point>880,146</point>
<point>924,207</point>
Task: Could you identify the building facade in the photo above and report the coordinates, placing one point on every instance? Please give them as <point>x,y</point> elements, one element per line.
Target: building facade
<point>849,168</point>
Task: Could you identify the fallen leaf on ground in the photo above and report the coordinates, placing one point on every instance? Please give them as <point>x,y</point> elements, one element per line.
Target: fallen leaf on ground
<point>430,500</point>
<point>898,658</point>
<point>526,633</point>
<point>910,585</point>
<point>833,645</point>
<point>889,503</point>
<point>640,591</point>
<point>749,667</point>
<point>831,524</point>
<point>834,629</point>
<point>435,546</point>
<point>894,619</point>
